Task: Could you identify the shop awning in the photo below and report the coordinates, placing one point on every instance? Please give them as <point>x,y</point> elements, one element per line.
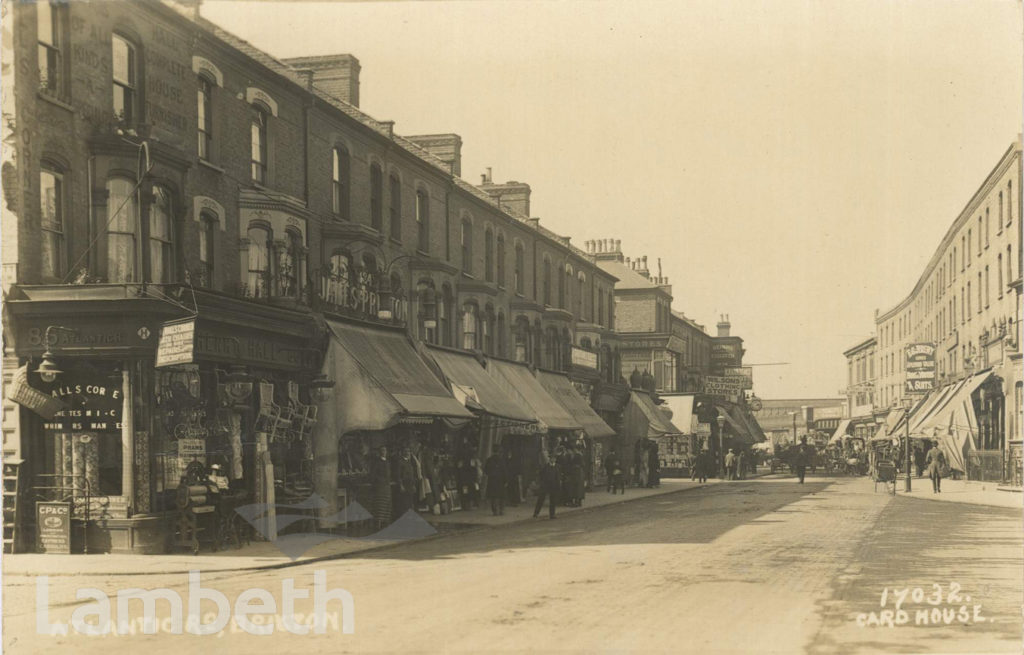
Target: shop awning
<point>610,397</point>
<point>682,411</point>
<point>519,382</point>
<point>382,380</point>
<point>561,389</point>
<point>658,425</point>
<point>480,388</point>
<point>952,421</point>
<point>840,432</point>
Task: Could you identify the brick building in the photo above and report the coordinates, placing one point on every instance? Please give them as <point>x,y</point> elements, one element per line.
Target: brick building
<point>162,170</point>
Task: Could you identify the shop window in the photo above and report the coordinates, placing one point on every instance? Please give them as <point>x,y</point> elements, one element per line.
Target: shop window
<point>376,197</point>
<point>422,221</point>
<point>258,120</point>
<point>51,21</point>
<point>207,234</point>
<point>125,80</point>
<point>259,262</point>
<point>51,222</point>
<point>161,237</point>
<point>122,220</point>
<point>395,207</point>
<point>340,182</point>
<point>467,246</point>
<point>519,268</point>
<point>489,255</point>
<point>204,122</point>
<point>470,326</point>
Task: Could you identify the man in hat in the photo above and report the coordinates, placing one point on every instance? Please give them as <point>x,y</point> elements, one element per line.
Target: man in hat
<point>935,460</point>
<point>730,465</point>
<point>803,457</point>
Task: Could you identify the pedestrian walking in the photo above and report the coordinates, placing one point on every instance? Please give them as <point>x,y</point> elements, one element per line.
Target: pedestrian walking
<point>741,463</point>
<point>935,460</point>
<point>730,465</point>
<point>406,485</point>
<point>703,464</point>
<point>577,484</point>
<point>548,488</point>
<point>803,456</point>
<point>613,465</point>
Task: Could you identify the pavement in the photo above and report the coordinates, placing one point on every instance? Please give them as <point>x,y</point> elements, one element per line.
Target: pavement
<point>267,555</point>
<point>765,565</point>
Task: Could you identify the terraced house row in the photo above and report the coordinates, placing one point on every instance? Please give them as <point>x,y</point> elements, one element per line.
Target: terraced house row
<point>243,268</point>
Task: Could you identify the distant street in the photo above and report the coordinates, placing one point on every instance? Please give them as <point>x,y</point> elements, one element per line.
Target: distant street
<point>764,566</point>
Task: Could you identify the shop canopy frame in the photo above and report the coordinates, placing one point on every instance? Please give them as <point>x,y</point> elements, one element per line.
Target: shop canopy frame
<point>470,379</point>
<point>561,389</point>
<point>518,381</point>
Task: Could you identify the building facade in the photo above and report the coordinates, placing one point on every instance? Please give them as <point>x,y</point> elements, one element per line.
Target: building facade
<point>966,304</point>
<point>163,171</point>
<point>860,388</point>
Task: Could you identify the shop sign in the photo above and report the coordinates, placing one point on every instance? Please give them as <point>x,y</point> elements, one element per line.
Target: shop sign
<point>102,507</point>
<point>93,403</point>
<point>920,367</point>
<point>744,372</point>
<point>176,344</point>
<point>53,528</point>
<point>723,387</point>
<point>584,358</point>
<point>235,345</point>
<point>20,392</point>
<point>113,332</point>
<point>702,429</point>
<point>725,353</point>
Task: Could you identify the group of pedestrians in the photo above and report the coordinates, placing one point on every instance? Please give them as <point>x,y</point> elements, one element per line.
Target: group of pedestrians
<point>562,477</point>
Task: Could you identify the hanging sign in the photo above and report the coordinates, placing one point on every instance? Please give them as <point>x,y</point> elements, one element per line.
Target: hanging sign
<point>920,367</point>
<point>176,344</point>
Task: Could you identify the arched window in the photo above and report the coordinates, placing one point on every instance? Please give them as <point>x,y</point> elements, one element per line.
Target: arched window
<point>488,255</point>
<point>258,142</point>
<point>51,219</point>
<point>340,182</point>
<point>125,74</point>
<point>519,267</point>
<point>161,237</point>
<point>204,118</point>
<point>122,219</point>
<point>500,337</point>
<point>291,265</point>
<point>422,221</point>
<point>487,330</point>
<point>467,246</point>
<point>522,339</point>
<point>427,311</point>
<point>395,207</point>
<point>376,197</point>
<point>259,262</point>
<point>207,236</point>
<point>470,327</point>
<point>501,260</point>
<point>546,282</point>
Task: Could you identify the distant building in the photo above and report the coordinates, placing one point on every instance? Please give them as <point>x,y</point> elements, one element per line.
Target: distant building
<point>780,418</point>
<point>860,388</point>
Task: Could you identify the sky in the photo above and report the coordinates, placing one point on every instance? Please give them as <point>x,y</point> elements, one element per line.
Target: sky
<point>794,164</point>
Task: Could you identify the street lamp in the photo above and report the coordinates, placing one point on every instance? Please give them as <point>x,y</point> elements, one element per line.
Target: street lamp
<point>907,404</point>
<point>48,369</point>
<point>793,414</point>
<point>720,420</point>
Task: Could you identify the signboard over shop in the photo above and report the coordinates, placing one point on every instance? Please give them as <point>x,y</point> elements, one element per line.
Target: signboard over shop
<point>744,372</point>
<point>920,367</point>
<point>176,344</point>
<point>584,358</point>
<point>726,353</point>
<point>723,387</point>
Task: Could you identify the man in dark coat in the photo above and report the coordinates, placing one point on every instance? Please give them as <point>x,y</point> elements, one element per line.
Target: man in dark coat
<point>613,466</point>
<point>406,483</point>
<point>653,465</point>
<point>550,481</point>
<point>935,459</point>
<point>497,480</point>
<point>803,457</point>
<point>703,464</point>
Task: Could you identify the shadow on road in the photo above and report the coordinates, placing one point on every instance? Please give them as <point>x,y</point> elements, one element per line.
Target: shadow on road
<point>645,521</point>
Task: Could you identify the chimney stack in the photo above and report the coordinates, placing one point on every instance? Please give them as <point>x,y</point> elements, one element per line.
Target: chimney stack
<point>723,325</point>
<point>335,75</point>
<point>512,196</point>
<point>446,147</point>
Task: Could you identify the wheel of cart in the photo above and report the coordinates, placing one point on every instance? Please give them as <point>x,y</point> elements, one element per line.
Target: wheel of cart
<point>885,472</point>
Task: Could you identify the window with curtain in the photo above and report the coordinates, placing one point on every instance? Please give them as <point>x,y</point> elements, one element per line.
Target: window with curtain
<point>125,79</point>
<point>259,262</point>
<point>395,207</point>
<point>467,246</point>
<point>340,182</point>
<point>258,117</point>
<point>51,222</point>
<point>500,256</point>
<point>519,266</point>
<point>204,120</point>
<point>207,234</point>
<point>422,221</point>
<point>469,327</point>
<point>50,22</point>
<point>122,223</point>
<point>376,198</point>
<point>161,237</point>
<point>488,255</point>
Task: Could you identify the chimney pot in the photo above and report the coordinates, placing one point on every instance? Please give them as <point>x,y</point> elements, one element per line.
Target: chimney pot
<point>618,245</point>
